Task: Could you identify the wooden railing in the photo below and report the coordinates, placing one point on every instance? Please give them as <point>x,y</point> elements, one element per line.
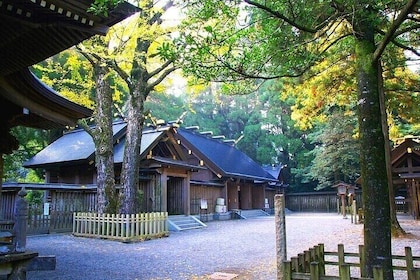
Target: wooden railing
<point>120,226</point>
<point>311,264</point>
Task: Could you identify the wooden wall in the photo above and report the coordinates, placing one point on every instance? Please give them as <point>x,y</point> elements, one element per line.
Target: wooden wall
<point>150,192</point>
<point>210,193</point>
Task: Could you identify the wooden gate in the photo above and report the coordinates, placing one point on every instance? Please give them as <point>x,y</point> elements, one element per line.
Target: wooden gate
<point>175,196</point>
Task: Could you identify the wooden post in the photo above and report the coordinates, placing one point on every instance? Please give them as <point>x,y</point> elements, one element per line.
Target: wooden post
<point>321,259</point>
<point>280,222</point>
<point>295,263</point>
<point>314,270</point>
<point>21,216</point>
<point>362,261</point>
<point>301,262</point>
<point>338,206</point>
<point>287,270</point>
<point>415,273</point>
<point>307,256</point>
<point>340,254</point>
<point>353,212</point>
<point>409,262</point>
<point>344,272</point>
<point>164,193</point>
<point>378,273</point>
<point>343,206</point>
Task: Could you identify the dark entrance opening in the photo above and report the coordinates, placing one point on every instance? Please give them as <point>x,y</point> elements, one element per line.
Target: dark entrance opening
<point>175,196</point>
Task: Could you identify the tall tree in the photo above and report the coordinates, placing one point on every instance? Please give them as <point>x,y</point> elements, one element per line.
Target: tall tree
<point>81,74</point>
<point>151,60</point>
<point>273,39</point>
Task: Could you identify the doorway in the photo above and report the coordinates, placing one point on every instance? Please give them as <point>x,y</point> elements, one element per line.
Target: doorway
<point>175,196</point>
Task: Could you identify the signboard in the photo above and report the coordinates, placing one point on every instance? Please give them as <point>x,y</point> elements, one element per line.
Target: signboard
<point>46,208</point>
<point>203,204</point>
<point>341,190</point>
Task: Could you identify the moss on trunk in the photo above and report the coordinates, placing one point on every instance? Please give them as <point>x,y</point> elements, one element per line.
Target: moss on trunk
<point>377,225</point>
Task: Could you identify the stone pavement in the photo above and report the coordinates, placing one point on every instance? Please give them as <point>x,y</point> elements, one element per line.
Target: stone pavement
<point>234,249</point>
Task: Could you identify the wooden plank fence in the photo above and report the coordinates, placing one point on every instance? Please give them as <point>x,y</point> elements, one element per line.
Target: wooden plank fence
<point>130,227</point>
<point>321,201</point>
<point>311,264</point>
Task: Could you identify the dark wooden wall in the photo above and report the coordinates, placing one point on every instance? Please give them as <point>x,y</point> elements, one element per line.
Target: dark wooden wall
<point>209,193</point>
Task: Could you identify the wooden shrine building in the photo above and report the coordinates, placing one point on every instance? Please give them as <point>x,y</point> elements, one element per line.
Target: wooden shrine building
<point>405,160</point>
<point>179,169</point>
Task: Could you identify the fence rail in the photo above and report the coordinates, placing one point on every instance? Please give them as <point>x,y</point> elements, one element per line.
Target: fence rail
<point>121,226</point>
<point>311,265</point>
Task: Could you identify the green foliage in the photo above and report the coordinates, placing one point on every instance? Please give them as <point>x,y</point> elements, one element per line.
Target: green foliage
<point>336,152</point>
<point>102,7</point>
<point>35,197</point>
<point>30,141</point>
<point>70,75</point>
<point>165,106</point>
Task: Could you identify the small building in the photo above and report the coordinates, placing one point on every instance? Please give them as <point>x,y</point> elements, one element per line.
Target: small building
<point>405,160</point>
<point>180,168</point>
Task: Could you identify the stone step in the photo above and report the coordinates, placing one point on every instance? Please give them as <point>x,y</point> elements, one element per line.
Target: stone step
<point>182,222</point>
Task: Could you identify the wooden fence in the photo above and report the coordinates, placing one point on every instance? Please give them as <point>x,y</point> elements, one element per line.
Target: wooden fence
<point>54,216</point>
<point>315,201</point>
<point>120,226</point>
<point>312,263</point>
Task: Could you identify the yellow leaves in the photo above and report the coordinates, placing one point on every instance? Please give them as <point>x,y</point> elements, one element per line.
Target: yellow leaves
<point>81,99</point>
<point>331,83</point>
<point>159,88</point>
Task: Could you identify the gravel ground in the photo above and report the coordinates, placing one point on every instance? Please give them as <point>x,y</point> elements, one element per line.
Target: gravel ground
<point>242,247</point>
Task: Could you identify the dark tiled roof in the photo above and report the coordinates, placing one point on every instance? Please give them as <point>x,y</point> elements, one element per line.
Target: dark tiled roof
<point>224,157</point>
<point>33,30</point>
<point>149,139</point>
<point>73,146</point>
<point>45,107</point>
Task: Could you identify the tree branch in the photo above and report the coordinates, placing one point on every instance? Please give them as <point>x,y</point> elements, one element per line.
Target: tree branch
<point>390,34</point>
<point>114,65</point>
<point>161,68</point>
<point>161,78</point>
<point>281,16</point>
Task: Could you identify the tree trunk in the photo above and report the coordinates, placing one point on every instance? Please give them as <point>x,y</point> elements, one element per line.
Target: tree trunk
<point>377,230</point>
<point>131,162</point>
<point>103,137</point>
<point>396,229</point>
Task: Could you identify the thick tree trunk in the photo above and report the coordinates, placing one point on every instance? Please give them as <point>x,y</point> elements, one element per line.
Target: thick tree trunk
<point>377,228</point>
<point>131,162</point>
<point>103,137</point>
<point>396,229</point>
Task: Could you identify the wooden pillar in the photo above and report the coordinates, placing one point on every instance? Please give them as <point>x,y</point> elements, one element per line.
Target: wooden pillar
<point>280,222</point>
<point>187,194</point>
<point>164,192</point>
<point>226,194</point>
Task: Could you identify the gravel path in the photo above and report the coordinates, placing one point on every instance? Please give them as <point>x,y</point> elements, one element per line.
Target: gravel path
<point>242,247</point>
